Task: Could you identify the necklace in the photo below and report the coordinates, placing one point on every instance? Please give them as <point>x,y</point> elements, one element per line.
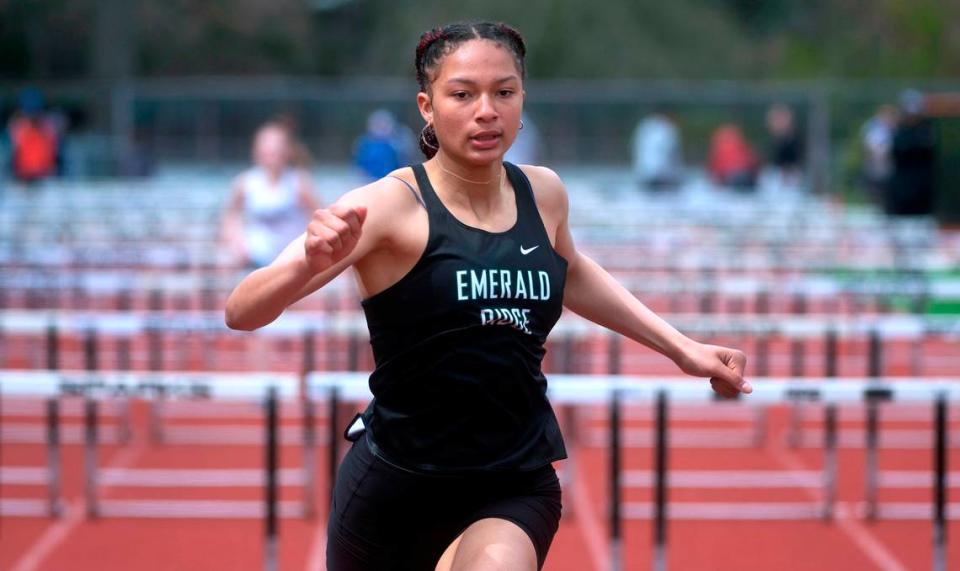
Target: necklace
<point>453,174</point>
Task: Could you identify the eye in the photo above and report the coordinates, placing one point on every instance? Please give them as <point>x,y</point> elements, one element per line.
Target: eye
<point>506,92</point>
<point>460,94</point>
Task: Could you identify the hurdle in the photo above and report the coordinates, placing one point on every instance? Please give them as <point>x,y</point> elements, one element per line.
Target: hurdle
<point>96,386</point>
<point>190,387</point>
<point>352,327</point>
<point>271,529</point>
<point>13,384</point>
<point>89,329</point>
<point>798,329</point>
<point>866,391</point>
<point>664,391</point>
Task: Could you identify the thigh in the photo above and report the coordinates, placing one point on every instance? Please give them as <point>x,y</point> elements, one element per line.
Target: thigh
<point>383,518</point>
<point>520,517</point>
<point>491,544</point>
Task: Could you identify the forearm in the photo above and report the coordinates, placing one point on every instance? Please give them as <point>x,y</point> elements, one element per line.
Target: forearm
<point>594,294</point>
<point>263,295</point>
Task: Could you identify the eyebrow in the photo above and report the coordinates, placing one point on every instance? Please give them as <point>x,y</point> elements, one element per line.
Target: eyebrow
<point>472,82</point>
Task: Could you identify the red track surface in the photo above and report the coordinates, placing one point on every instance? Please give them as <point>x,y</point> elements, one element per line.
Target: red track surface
<point>847,544</point>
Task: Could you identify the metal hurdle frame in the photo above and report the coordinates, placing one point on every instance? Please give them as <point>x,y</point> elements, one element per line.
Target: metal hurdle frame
<point>564,389</point>
<point>12,383</point>
<point>351,326</point>
<point>771,390</point>
<point>613,390</point>
<point>94,386</point>
<point>255,387</point>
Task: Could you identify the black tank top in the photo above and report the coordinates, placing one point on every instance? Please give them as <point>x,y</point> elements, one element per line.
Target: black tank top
<point>458,343</point>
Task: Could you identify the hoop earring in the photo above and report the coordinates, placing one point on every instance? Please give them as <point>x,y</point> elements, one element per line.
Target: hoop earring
<point>521,123</point>
<point>423,138</point>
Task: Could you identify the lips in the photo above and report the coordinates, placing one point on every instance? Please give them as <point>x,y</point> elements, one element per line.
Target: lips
<point>485,139</point>
<point>486,135</point>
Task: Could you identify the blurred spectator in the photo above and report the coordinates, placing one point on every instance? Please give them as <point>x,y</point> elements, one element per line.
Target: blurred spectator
<point>137,159</point>
<point>270,203</point>
<point>877,142</point>
<point>35,139</point>
<point>911,189</point>
<point>656,150</point>
<point>525,149</point>
<point>384,147</point>
<point>299,153</point>
<point>732,162</point>
<point>786,146</point>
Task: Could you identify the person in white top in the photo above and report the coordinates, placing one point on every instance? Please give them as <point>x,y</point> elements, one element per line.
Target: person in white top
<point>270,203</point>
<point>657,162</point>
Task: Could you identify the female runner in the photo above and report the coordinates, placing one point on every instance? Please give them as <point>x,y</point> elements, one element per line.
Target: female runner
<point>464,263</point>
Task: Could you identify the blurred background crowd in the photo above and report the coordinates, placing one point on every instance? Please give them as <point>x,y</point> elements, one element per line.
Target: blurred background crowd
<point>770,95</point>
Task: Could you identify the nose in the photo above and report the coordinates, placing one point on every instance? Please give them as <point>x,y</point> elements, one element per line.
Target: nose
<point>486,109</point>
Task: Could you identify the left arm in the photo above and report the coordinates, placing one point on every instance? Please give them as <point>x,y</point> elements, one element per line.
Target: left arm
<point>594,294</point>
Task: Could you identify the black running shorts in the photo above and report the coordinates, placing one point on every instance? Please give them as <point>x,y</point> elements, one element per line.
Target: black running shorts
<point>387,518</point>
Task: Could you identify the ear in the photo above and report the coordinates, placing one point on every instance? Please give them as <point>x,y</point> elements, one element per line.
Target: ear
<point>426,107</point>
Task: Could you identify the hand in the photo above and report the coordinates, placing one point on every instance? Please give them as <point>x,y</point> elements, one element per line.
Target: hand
<point>332,234</point>
<point>723,365</point>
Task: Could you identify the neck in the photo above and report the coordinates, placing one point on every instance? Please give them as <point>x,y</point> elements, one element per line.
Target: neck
<point>273,174</point>
<point>478,189</point>
<point>473,179</point>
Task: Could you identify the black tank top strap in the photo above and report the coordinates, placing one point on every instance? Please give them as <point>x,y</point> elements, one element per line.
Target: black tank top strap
<point>529,214</point>
<point>416,195</point>
<point>430,198</point>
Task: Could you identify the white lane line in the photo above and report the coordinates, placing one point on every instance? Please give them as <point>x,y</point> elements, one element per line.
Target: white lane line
<point>75,513</point>
<point>54,536</point>
<point>868,543</point>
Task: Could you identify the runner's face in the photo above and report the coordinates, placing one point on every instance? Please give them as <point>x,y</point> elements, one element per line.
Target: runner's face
<point>271,149</point>
<point>475,102</point>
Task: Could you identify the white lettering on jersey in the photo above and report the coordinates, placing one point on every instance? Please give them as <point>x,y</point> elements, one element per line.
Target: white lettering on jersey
<point>502,284</point>
<point>516,317</point>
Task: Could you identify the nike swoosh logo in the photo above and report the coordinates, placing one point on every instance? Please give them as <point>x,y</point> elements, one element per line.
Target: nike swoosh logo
<point>526,251</point>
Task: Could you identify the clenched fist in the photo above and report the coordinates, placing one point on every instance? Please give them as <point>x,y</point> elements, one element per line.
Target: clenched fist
<point>332,234</point>
<point>723,365</point>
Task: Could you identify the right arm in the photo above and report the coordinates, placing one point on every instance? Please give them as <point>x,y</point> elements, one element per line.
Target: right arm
<point>335,239</point>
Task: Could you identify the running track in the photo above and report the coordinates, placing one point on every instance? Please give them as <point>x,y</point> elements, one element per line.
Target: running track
<point>849,543</point>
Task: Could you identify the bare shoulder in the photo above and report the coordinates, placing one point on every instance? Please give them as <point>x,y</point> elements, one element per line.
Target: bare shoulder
<point>385,194</point>
<point>405,178</point>
<point>389,202</point>
<point>548,189</point>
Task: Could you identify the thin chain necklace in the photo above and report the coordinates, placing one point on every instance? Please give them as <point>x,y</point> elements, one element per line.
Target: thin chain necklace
<point>453,174</point>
